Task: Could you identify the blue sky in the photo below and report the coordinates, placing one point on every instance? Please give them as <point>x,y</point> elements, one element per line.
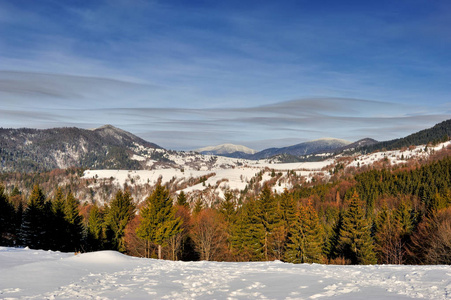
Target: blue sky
<point>187,74</point>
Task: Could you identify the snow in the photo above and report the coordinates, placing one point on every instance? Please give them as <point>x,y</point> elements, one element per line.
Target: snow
<point>398,156</point>
<point>226,148</point>
<point>37,274</point>
<point>225,170</point>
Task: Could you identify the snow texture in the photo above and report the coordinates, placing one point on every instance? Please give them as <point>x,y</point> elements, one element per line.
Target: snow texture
<point>37,274</point>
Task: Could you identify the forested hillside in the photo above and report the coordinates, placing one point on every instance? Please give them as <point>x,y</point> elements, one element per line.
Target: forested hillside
<point>384,214</point>
<point>440,132</point>
<point>34,150</point>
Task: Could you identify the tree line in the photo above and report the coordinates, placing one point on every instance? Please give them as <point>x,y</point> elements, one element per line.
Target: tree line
<point>378,216</point>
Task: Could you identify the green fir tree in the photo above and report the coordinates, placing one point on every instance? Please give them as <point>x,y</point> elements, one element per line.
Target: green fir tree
<point>306,238</point>
<point>74,223</point>
<point>120,212</point>
<point>355,242</point>
<point>158,221</point>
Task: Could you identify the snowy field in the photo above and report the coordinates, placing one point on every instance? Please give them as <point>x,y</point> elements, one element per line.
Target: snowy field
<point>36,274</point>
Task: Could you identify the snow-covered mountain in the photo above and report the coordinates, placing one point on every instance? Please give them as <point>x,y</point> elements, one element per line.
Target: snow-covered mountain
<point>31,150</point>
<point>229,150</point>
<point>312,147</point>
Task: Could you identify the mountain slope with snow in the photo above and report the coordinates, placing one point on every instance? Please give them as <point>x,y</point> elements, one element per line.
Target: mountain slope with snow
<point>229,150</point>
<point>37,274</point>
<point>302,149</point>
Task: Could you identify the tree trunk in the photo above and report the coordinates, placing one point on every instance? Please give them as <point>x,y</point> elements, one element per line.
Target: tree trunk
<point>159,251</point>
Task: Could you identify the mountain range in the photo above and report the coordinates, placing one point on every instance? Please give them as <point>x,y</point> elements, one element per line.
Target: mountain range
<point>229,150</point>
<point>108,147</point>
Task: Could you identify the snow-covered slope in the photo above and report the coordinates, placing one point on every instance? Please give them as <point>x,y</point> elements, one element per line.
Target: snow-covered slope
<point>225,149</point>
<point>36,274</point>
<point>212,175</point>
<point>317,146</point>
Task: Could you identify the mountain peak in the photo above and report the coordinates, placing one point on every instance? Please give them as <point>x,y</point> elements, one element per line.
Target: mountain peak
<point>225,149</point>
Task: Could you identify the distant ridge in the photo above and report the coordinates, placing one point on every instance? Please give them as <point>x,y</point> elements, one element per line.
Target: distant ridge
<point>31,150</point>
<point>312,147</point>
<point>229,150</point>
<point>439,132</point>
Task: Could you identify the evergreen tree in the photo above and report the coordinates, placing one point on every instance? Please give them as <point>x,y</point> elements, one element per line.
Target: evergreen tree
<point>181,199</point>
<point>158,221</point>
<point>198,206</point>
<point>248,234</point>
<point>266,215</point>
<point>227,207</point>
<point>7,215</point>
<point>95,229</point>
<point>33,232</point>
<point>306,238</point>
<point>355,241</point>
<point>74,223</point>
<point>58,228</point>
<point>286,212</point>
<point>120,212</point>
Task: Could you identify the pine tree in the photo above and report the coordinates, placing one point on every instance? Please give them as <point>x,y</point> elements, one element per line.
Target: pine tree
<point>198,206</point>
<point>355,241</point>
<point>58,228</point>
<point>306,238</point>
<point>158,221</point>
<point>95,229</point>
<point>227,207</point>
<point>74,223</point>
<point>33,232</point>
<point>181,199</point>
<point>248,234</point>
<point>7,215</point>
<point>120,212</point>
<point>285,216</point>
<point>266,215</point>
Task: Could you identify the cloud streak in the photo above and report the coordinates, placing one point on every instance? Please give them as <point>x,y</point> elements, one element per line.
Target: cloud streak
<point>191,75</point>
<point>259,127</point>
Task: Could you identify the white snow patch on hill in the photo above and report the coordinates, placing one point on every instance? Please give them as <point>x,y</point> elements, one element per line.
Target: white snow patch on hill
<point>228,174</point>
<point>37,274</point>
<point>226,149</point>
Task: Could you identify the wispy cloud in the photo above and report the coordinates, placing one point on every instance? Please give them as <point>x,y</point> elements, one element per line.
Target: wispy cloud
<point>259,127</point>
<point>190,75</point>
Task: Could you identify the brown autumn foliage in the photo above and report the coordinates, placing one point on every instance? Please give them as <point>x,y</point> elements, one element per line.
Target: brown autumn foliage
<point>134,245</point>
<point>431,243</point>
<point>209,235</point>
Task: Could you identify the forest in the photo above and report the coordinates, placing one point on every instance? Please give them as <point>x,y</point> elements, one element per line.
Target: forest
<point>379,215</point>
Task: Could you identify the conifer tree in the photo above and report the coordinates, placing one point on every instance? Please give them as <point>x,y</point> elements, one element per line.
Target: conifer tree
<point>248,234</point>
<point>266,215</point>
<point>158,221</point>
<point>33,231</point>
<point>120,212</point>
<point>355,241</point>
<point>58,228</point>
<point>74,222</point>
<point>198,206</point>
<point>181,199</point>
<point>286,212</point>
<point>227,207</point>
<point>95,229</point>
<point>7,215</point>
<point>306,238</point>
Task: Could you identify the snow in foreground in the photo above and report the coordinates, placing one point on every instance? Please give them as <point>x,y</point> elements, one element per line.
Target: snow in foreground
<point>36,274</point>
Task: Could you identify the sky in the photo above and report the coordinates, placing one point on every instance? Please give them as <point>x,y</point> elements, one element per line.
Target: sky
<point>189,74</point>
